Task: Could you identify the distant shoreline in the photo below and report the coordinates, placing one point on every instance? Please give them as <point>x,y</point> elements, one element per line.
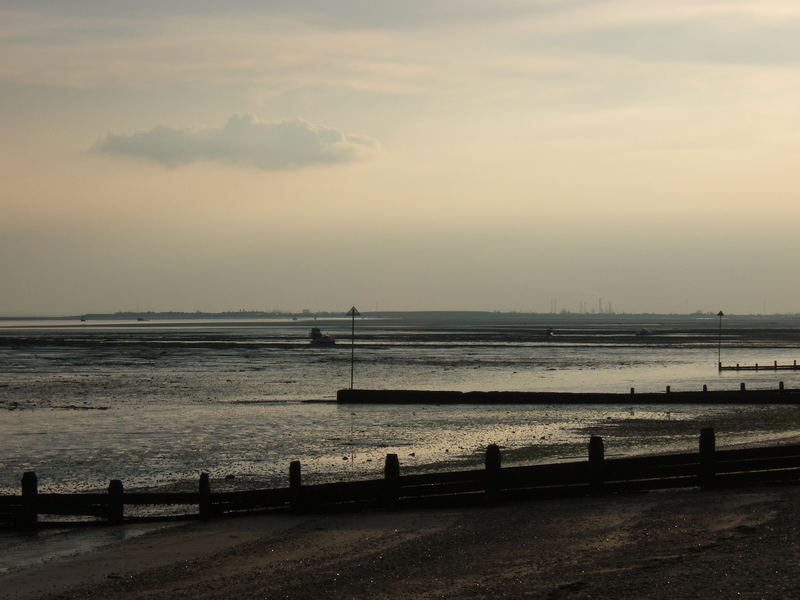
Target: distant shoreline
<point>415,315</point>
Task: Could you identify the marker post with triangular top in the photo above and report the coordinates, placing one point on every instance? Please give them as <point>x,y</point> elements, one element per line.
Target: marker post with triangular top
<point>353,312</point>
<point>720,314</point>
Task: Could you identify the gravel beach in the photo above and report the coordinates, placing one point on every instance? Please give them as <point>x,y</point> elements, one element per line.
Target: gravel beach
<point>739,543</point>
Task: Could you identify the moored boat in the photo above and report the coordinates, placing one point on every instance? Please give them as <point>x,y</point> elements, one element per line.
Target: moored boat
<point>320,339</point>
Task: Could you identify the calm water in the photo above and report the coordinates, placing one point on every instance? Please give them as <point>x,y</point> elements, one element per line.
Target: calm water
<point>155,404</point>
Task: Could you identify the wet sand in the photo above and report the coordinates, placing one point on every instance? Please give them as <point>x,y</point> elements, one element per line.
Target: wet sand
<point>680,544</point>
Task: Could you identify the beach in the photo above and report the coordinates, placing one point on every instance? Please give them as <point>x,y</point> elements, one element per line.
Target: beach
<point>682,544</point>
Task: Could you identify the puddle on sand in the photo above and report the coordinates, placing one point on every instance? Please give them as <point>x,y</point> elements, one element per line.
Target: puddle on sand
<point>24,549</point>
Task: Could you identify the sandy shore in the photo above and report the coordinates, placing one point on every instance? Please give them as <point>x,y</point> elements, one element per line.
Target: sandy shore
<point>683,544</point>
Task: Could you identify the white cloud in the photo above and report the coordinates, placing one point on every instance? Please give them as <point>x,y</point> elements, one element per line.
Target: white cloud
<point>243,141</point>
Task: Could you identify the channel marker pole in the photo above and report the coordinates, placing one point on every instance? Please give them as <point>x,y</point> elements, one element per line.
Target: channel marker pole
<point>353,312</point>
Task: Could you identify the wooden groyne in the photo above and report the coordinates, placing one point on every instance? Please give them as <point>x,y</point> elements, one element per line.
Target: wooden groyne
<point>708,467</point>
<point>780,395</point>
<point>756,367</point>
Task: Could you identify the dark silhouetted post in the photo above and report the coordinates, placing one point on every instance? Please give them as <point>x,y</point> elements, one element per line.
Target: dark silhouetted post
<point>391,480</point>
<point>30,489</point>
<point>720,314</point>
<point>633,391</point>
<point>295,485</point>
<point>492,462</point>
<point>353,312</point>
<point>705,387</point>
<point>116,502</point>
<point>669,389</point>
<point>780,386</point>
<point>204,488</point>
<point>708,444</point>
<point>742,387</point>
<point>596,459</point>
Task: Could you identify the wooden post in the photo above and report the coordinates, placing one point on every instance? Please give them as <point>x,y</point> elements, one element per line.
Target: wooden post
<point>633,391</point>
<point>668,389</point>
<point>492,463</point>
<point>707,446</point>
<point>596,460</point>
<point>295,485</point>
<point>742,388</point>
<point>116,502</point>
<point>204,488</point>
<point>30,489</point>
<point>705,387</point>
<point>391,481</point>
<point>780,386</point>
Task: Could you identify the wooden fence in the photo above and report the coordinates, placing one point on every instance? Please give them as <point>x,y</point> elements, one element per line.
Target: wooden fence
<point>708,467</point>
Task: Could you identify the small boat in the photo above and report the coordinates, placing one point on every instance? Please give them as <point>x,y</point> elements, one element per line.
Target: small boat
<point>319,339</point>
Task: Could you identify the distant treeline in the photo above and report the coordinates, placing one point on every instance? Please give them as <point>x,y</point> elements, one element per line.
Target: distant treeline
<point>435,315</point>
<point>231,314</point>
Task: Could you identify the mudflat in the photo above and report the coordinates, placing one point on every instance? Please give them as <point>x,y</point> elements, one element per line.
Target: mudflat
<point>741,543</point>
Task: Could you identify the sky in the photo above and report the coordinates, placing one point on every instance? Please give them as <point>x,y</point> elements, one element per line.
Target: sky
<point>418,155</point>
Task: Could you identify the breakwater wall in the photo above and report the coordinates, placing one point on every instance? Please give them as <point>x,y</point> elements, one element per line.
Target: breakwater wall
<point>707,467</point>
<point>780,395</point>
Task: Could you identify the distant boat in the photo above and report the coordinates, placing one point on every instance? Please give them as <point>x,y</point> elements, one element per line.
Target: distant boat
<point>644,331</point>
<point>141,319</point>
<point>319,339</point>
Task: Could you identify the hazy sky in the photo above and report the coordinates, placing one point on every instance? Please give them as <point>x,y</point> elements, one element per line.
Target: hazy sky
<point>451,154</point>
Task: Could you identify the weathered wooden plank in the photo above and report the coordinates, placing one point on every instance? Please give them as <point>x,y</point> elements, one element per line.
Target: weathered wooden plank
<point>88,498</point>
<point>754,477</point>
<point>547,492</point>
<point>266,497</point>
<point>236,506</point>
<point>761,464</point>
<point>343,492</point>
<point>761,452</point>
<point>425,478</point>
<point>545,474</point>
<point>655,459</point>
<point>621,472</point>
<point>442,489</point>
<point>167,498</point>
